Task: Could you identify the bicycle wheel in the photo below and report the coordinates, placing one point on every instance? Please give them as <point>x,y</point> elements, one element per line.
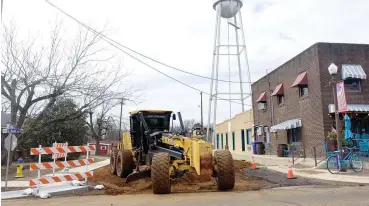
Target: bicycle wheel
<point>356,164</point>
<point>332,164</point>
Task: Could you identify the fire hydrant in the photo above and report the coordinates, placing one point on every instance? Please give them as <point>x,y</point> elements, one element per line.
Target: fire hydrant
<point>19,168</point>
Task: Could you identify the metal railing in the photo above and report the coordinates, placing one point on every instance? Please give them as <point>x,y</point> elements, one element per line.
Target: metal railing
<point>296,151</point>
<point>317,151</point>
<point>294,156</point>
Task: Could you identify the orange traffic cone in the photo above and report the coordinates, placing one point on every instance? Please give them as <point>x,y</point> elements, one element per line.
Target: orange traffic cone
<point>290,173</point>
<point>253,164</point>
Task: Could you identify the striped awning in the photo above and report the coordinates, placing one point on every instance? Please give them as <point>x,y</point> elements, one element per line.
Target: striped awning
<point>289,124</point>
<point>353,71</point>
<point>351,108</point>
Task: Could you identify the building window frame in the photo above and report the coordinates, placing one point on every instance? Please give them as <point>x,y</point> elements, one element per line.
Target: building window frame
<point>103,147</point>
<point>248,136</point>
<point>221,141</point>
<point>243,146</point>
<point>226,142</point>
<point>303,91</point>
<point>349,87</point>
<point>233,141</point>
<point>281,99</point>
<point>294,135</point>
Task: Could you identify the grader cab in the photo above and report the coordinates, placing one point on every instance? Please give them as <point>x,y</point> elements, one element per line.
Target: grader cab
<point>149,149</point>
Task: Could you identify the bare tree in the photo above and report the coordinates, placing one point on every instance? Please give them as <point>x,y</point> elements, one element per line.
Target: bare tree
<point>34,76</point>
<point>99,128</point>
<point>188,124</point>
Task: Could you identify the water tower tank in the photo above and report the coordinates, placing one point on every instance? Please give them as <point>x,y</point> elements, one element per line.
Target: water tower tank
<point>229,8</point>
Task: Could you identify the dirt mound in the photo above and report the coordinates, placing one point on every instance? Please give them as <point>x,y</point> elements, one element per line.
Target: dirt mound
<point>190,182</point>
<point>240,165</point>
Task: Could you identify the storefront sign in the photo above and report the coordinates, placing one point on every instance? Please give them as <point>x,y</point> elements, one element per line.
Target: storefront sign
<point>341,97</point>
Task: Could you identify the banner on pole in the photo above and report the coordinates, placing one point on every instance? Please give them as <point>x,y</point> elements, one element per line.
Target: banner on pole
<point>341,97</point>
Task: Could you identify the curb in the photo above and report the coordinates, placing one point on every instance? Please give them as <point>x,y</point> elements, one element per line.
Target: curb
<point>53,191</point>
<point>280,169</point>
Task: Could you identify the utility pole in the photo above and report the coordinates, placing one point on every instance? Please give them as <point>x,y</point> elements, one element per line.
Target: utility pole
<point>202,123</point>
<point>120,118</point>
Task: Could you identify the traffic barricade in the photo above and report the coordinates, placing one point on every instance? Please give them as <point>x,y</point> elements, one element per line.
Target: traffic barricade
<point>56,150</point>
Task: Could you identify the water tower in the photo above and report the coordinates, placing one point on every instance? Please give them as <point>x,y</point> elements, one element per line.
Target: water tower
<point>229,49</point>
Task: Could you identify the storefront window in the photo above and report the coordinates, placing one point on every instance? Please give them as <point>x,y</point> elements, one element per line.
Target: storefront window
<point>294,135</point>
<point>352,85</point>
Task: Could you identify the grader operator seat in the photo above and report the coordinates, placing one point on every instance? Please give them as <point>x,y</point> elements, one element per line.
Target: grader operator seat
<point>144,125</point>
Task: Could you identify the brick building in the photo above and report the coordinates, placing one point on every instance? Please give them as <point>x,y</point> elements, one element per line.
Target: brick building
<point>293,102</point>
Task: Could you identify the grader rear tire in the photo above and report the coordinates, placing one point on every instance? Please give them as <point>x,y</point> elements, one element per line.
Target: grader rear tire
<point>124,162</point>
<point>113,164</point>
<point>225,174</point>
<point>160,176</point>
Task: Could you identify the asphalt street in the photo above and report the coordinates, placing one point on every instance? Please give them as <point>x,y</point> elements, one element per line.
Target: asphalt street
<point>302,195</point>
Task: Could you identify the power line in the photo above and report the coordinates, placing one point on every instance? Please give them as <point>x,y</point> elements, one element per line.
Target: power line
<point>112,44</point>
<point>156,61</point>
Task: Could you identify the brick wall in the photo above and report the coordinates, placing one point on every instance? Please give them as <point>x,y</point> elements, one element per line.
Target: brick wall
<point>342,54</point>
<point>312,109</point>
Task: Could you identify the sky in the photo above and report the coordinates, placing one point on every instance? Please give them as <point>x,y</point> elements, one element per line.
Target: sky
<point>181,34</point>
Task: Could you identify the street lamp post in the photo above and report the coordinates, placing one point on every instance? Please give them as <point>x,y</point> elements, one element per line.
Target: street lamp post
<point>333,69</point>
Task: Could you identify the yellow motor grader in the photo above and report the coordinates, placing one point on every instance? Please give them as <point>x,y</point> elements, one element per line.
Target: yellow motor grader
<point>150,149</point>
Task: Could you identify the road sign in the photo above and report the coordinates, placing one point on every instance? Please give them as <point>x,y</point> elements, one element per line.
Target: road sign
<point>11,138</point>
<point>13,130</point>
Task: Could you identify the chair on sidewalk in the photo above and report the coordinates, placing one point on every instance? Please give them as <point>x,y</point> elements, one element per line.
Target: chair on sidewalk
<point>328,153</point>
<point>364,148</point>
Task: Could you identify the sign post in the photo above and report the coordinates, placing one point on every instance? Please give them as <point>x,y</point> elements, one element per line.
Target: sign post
<point>10,144</point>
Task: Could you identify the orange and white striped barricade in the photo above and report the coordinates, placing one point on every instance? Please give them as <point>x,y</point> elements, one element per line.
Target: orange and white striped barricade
<point>59,155</point>
<point>54,165</point>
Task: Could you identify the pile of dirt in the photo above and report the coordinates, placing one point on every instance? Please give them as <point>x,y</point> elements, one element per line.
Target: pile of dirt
<point>240,165</point>
<point>190,182</point>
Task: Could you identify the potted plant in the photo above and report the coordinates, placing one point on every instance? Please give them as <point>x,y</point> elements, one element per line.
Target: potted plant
<point>331,141</point>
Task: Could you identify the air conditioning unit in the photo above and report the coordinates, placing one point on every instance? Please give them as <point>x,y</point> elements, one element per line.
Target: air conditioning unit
<point>261,106</point>
<point>260,131</point>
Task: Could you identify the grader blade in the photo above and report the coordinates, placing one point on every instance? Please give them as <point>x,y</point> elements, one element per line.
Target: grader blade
<point>206,164</point>
<point>136,175</point>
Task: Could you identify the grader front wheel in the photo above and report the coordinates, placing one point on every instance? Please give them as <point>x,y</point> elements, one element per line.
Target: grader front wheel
<point>160,176</point>
<point>124,163</point>
<point>224,169</point>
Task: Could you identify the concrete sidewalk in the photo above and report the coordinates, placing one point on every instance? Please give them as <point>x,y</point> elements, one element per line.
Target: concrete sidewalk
<point>323,174</point>
<point>305,168</point>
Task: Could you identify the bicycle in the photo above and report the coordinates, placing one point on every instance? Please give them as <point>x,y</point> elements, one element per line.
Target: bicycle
<point>334,161</point>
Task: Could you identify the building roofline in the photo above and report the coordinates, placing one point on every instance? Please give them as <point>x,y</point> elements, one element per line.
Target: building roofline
<point>316,45</point>
<point>249,110</point>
